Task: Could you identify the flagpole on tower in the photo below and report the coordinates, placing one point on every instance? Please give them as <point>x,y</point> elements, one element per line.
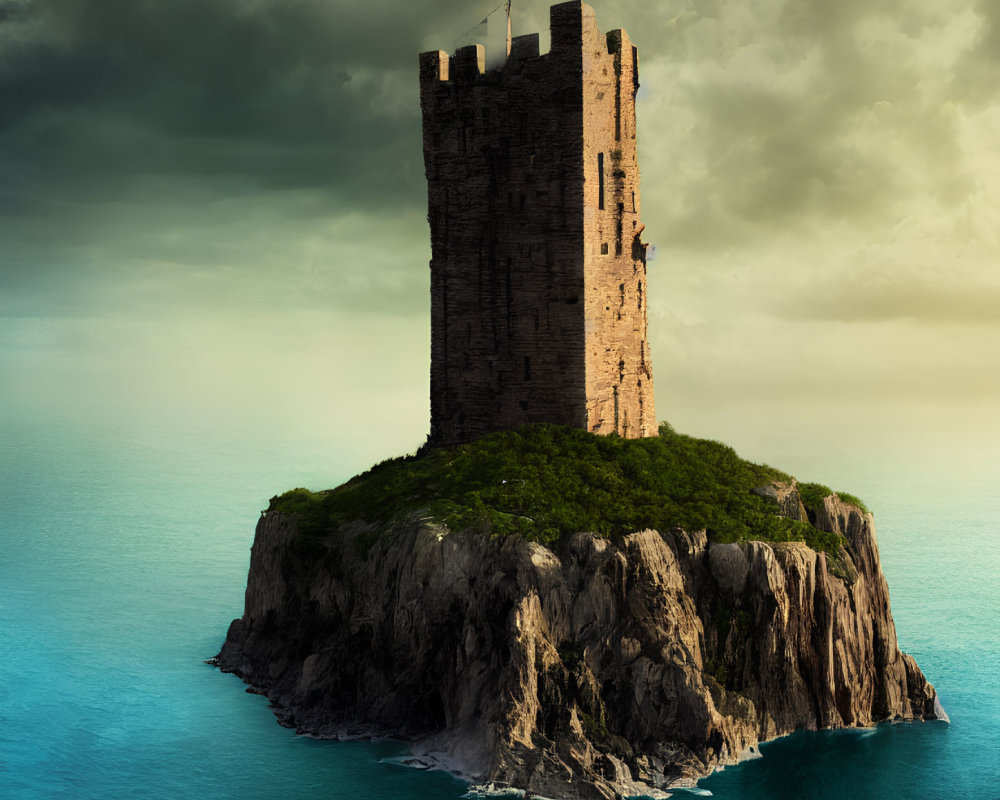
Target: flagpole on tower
<point>508,27</point>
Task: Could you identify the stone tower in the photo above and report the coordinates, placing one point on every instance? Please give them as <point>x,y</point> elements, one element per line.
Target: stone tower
<point>538,271</point>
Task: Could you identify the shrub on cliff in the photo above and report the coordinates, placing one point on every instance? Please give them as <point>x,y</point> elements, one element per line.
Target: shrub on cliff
<point>546,481</point>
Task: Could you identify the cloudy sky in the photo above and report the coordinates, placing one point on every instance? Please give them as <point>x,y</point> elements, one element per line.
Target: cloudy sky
<point>215,209</point>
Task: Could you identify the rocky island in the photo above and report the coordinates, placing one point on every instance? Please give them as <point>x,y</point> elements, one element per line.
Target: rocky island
<point>573,615</point>
<point>531,603</point>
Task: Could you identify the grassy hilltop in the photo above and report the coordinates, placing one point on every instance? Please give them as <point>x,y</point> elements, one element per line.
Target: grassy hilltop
<point>546,481</point>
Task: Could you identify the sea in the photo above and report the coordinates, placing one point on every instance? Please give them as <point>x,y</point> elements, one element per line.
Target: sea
<point>124,548</point>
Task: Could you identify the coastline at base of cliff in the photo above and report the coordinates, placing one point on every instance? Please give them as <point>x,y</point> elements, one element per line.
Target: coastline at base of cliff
<point>594,668</point>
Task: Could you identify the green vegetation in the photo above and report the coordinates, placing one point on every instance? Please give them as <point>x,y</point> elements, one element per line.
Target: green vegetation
<point>594,728</point>
<point>547,481</point>
<point>813,494</point>
<point>716,667</point>
<point>853,500</point>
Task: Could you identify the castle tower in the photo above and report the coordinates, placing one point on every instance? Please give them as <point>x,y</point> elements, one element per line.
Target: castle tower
<point>538,271</point>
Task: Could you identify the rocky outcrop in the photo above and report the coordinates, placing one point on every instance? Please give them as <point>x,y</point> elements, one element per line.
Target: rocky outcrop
<point>593,668</point>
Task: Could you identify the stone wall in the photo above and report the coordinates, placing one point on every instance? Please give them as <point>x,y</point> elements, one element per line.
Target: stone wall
<point>537,271</point>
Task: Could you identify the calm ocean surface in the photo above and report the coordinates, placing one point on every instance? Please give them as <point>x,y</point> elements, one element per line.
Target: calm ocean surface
<point>123,558</point>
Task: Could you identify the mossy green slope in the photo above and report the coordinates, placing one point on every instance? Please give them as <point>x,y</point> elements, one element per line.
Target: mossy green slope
<point>547,481</point>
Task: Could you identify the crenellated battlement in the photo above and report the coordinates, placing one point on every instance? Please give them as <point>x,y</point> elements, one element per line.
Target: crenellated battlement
<point>522,48</point>
<point>571,24</point>
<point>538,269</point>
<point>434,66</point>
<point>468,63</point>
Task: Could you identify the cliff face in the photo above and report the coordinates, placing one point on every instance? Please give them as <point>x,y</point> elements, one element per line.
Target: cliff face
<point>600,668</point>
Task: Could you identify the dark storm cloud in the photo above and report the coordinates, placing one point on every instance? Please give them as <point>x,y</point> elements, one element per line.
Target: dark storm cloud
<point>206,134</point>
<point>151,130</point>
<point>98,94</point>
<point>109,88</point>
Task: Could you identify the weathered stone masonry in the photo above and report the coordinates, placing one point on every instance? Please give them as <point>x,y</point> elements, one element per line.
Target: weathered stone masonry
<point>538,271</point>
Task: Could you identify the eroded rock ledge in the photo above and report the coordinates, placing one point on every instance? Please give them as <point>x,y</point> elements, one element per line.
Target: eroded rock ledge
<point>594,669</point>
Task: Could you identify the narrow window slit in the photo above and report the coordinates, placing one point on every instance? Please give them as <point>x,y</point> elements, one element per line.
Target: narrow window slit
<point>600,180</point>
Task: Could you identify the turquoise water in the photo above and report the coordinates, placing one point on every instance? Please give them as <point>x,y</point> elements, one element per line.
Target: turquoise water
<point>123,557</point>
<point>940,548</point>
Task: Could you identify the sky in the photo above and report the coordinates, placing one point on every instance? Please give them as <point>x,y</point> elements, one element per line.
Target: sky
<point>214,211</point>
